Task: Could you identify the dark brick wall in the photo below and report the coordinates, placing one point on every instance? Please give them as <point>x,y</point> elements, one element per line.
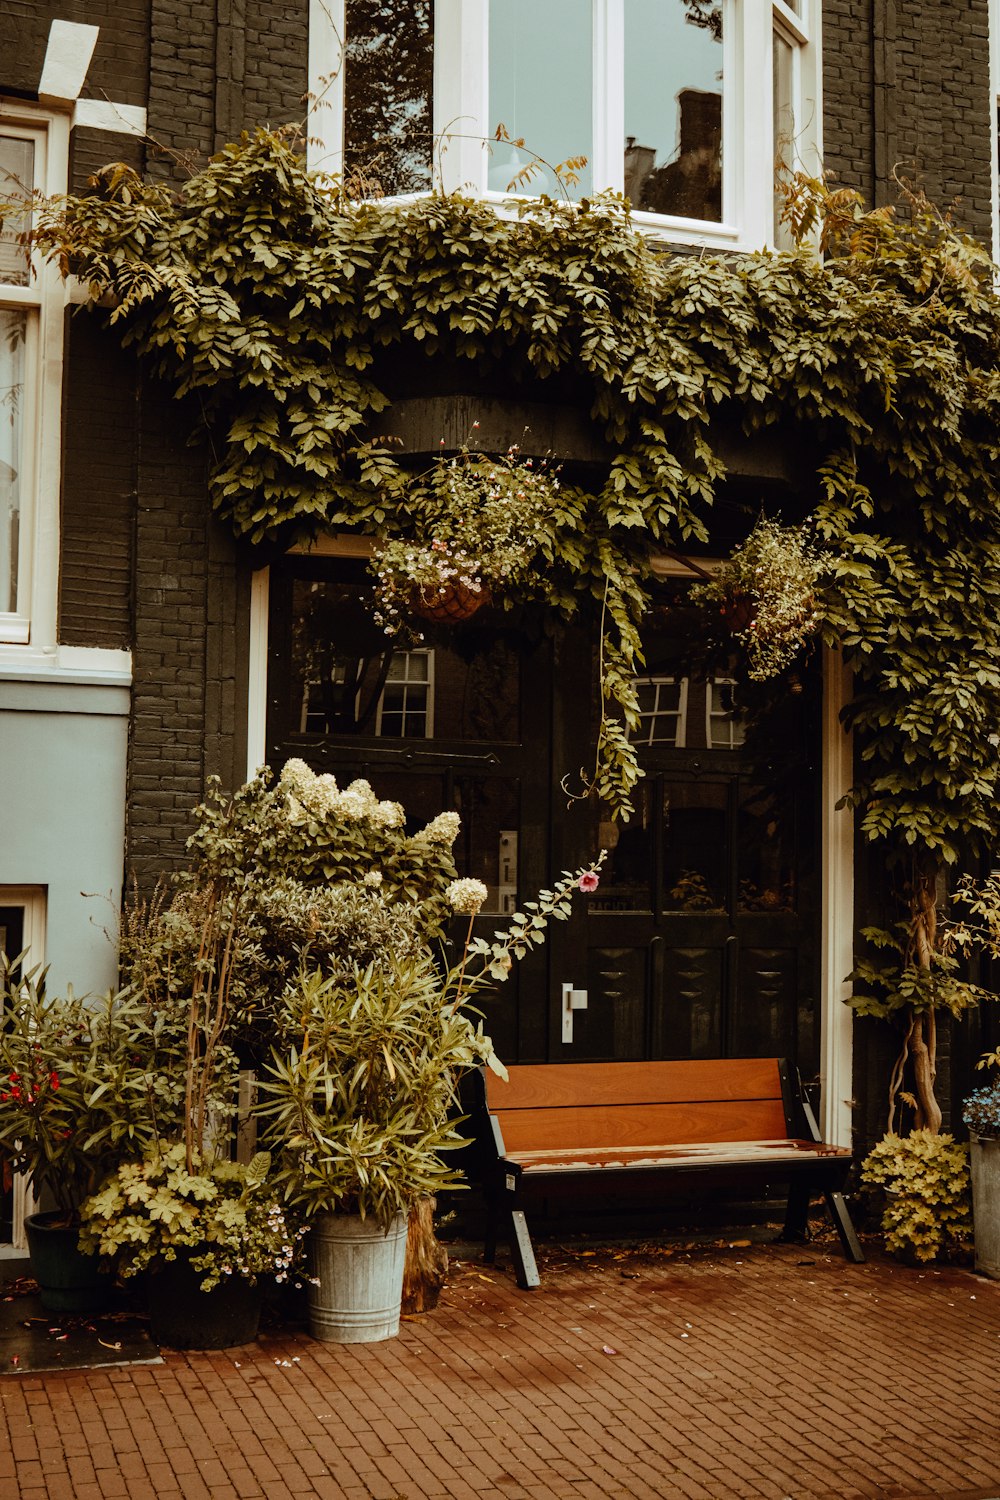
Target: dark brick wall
<point>99,480</point>
<point>906,88</point>
<point>119,67</point>
<point>187,641</point>
<point>218,67</point>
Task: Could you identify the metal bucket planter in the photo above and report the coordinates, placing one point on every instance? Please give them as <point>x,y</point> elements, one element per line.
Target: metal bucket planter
<point>984,1154</point>
<point>182,1316</point>
<point>357,1271</point>
<point>68,1280</point>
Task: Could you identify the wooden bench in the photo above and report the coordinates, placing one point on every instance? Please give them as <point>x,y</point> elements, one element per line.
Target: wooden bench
<point>736,1122</point>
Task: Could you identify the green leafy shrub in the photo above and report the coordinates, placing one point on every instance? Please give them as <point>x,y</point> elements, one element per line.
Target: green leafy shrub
<point>83,1081</point>
<point>228,1213</point>
<point>926,1203</point>
<point>359,1102</point>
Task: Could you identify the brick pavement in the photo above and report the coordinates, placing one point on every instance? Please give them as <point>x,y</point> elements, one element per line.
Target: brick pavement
<point>742,1371</point>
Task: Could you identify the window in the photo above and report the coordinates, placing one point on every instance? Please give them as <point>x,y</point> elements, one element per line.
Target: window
<point>388,60</point>
<point>682,104</point>
<point>662,711</point>
<point>723,726</point>
<point>406,708</point>
<point>405,696</point>
<point>32,157</point>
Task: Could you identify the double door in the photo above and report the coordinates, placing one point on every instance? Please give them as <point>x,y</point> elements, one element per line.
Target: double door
<point>701,940</point>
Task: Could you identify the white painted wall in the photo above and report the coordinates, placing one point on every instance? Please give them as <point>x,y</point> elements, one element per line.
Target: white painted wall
<point>63,752</point>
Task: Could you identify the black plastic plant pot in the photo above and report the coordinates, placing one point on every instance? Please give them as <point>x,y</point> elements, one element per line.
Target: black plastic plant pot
<point>68,1279</point>
<point>182,1316</point>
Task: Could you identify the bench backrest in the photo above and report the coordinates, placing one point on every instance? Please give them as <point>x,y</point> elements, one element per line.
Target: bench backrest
<point>556,1106</point>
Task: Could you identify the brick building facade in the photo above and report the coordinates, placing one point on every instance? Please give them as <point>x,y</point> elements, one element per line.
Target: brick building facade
<point>138,665</point>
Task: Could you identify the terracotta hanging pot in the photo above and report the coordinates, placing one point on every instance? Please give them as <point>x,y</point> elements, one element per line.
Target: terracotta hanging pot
<point>448,605</point>
<point>738,612</point>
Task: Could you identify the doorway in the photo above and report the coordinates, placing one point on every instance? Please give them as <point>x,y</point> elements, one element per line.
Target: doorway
<point>702,939</point>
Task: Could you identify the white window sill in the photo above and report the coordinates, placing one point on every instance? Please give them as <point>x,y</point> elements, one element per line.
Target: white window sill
<point>84,665</point>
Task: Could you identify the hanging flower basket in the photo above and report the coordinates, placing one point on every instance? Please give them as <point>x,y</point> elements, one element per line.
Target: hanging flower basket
<point>738,611</point>
<point>448,605</point>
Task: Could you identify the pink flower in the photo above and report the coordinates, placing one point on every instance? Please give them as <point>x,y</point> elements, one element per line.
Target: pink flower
<point>589,882</point>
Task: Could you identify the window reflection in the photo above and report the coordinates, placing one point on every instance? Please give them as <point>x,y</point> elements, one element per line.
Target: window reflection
<point>17,166</point>
<point>541,85</point>
<point>389,63</point>
<point>13,328</point>
<point>346,677</point>
<point>695,845</point>
<point>673,107</point>
<point>627,876</point>
<point>766,852</point>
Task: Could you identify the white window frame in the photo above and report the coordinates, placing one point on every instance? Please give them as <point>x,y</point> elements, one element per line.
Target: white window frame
<point>33,621</point>
<point>405,682</point>
<point>725,716</point>
<point>32,899</point>
<point>657,680</point>
<point>462,129</point>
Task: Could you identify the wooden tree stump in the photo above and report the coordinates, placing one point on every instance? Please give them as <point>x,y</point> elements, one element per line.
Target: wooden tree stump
<point>426,1265</point>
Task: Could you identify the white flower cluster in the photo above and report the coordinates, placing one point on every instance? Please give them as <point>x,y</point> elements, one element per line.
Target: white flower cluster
<point>443,829</point>
<point>372,878</point>
<point>467,896</point>
<point>320,796</point>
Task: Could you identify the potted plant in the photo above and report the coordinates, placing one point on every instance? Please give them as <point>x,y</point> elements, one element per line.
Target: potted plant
<point>485,518</point>
<point>358,1104</point>
<point>204,1234</point>
<point>922,1180</point>
<point>766,592</point>
<point>75,1079</point>
<point>202,1227</point>
<point>981,1115</point>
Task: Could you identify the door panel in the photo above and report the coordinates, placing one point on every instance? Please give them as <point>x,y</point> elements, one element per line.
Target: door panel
<point>702,936</point>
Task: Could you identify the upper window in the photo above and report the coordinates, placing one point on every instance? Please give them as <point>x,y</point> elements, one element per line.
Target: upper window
<point>683,105</point>
<point>30,359</point>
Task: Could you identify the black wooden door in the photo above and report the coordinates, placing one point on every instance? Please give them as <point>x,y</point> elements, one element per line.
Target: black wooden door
<point>459,721</point>
<point>702,940</point>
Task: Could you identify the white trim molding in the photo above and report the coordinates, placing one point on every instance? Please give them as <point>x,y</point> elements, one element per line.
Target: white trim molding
<point>67,58</point>
<point>104,114</point>
<point>260,592</point>
<point>837,925</point>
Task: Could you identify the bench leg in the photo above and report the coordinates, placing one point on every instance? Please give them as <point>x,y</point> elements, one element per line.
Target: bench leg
<point>524,1255</point>
<point>796,1230</point>
<point>490,1233</point>
<point>848,1237</point>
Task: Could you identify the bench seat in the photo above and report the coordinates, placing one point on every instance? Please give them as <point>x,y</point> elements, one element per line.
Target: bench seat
<point>727,1121</point>
<point>791,1154</point>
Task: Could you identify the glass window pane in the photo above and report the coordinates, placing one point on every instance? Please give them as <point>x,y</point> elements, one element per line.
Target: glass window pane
<point>627,877</point>
<point>389,67</point>
<point>696,848</point>
<point>673,107</point>
<point>339,674</point>
<point>12,331</point>
<point>541,85</point>
<point>784,127</point>
<point>17,169</point>
<point>766,852</point>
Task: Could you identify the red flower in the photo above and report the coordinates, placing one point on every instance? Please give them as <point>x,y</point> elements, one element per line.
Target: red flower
<point>589,882</point>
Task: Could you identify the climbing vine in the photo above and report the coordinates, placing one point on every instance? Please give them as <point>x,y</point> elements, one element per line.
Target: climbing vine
<point>281,310</point>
